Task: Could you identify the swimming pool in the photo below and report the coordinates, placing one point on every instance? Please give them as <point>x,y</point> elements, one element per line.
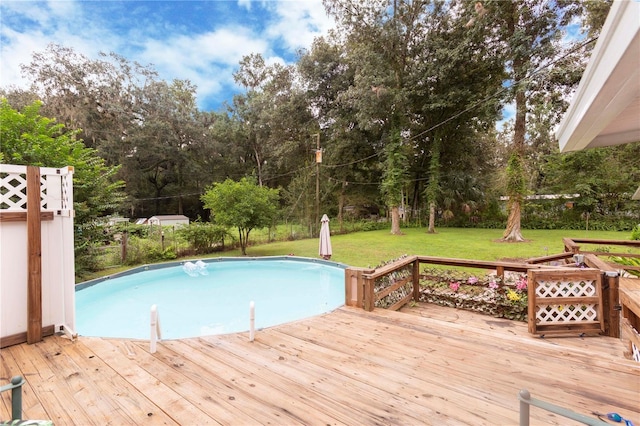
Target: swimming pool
<point>212,300</point>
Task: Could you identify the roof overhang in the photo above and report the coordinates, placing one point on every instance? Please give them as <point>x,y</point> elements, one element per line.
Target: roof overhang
<point>605,109</point>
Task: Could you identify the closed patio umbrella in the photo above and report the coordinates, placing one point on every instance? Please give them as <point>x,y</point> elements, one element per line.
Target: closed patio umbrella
<point>325,238</point>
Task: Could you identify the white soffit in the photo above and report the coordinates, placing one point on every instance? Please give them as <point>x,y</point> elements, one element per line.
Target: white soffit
<point>605,109</point>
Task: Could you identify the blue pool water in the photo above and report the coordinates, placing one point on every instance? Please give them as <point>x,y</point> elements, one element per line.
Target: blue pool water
<point>214,301</point>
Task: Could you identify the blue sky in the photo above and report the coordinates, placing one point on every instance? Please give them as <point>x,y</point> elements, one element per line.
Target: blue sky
<point>200,41</point>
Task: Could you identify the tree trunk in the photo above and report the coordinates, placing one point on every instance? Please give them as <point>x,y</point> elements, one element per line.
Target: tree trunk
<point>512,232</point>
<point>432,218</point>
<point>243,242</point>
<point>395,221</point>
<point>259,165</point>
<point>341,205</point>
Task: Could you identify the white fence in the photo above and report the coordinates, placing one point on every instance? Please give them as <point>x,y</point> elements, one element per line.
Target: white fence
<point>36,253</point>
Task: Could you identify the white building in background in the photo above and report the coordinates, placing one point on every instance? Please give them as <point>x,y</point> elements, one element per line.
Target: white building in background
<point>168,220</point>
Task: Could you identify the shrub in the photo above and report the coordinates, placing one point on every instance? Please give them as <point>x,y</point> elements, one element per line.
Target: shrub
<point>635,233</point>
<point>141,251</point>
<point>203,237</point>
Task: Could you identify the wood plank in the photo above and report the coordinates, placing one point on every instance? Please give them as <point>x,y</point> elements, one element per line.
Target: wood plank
<point>109,387</point>
<point>436,402</point>
<point>200,381</point>
<point>424,365</point>
<point>30,403</point>
<point>52,391</point>
<point>16,339</point>
<point>162,394</point>
<point>409,367</point>
<point>396,285</point>
<point>253,384</point>
<point>22,216</point>
<point>485,353</point>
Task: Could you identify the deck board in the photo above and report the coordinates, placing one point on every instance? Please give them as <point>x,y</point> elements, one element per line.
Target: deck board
<point>424,365</point>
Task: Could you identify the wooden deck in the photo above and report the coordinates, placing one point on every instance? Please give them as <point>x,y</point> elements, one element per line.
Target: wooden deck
<point>426,365</point>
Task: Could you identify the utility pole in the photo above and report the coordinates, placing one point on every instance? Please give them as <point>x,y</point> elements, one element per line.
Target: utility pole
<point>318,161</point>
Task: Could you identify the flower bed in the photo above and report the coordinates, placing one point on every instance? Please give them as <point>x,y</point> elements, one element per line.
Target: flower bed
<point>488,294</point>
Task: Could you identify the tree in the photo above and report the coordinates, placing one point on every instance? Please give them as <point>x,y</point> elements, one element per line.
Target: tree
<point>350,162</point>
<point>527,35</point>
<point>31,139</point>
<point>243,205</point>
<point>98,97</point>
<point>383,41</point>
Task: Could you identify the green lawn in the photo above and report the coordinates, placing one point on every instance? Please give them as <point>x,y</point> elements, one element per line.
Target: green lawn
<point>374,247</point>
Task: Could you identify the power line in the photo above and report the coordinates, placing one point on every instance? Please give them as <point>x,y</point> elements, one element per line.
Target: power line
<point>499,92</point>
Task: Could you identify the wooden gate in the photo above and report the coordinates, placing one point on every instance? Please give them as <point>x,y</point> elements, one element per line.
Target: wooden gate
<point>565,301</point>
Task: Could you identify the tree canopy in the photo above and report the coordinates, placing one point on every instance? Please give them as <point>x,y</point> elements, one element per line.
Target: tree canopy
<point>242,205</point>
<point>403,98</point>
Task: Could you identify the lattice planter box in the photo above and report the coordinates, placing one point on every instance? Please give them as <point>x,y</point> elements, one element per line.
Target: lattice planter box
<point>565,301</point>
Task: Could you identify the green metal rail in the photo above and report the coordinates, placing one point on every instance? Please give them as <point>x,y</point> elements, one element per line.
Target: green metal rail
<point>526,402</point>
<point>16,396</point>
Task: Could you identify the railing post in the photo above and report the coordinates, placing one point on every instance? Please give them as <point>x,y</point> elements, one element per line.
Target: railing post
<point>34,261</point>
<point>613,281</point>
<point>525,398</point>
<point>416,280</point>
<point>500,272</point>
<point>369,294</point>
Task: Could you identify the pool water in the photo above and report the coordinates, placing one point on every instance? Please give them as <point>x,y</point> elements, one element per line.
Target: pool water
<point>215,301</point>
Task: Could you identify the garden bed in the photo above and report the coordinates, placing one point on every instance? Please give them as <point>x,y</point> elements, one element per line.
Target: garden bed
<point>488,294</point>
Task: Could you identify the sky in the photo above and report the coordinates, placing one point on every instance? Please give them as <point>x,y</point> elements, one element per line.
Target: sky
<point>199,41</point>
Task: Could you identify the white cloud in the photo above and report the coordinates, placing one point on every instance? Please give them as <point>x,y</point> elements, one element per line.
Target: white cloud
<point>207,55</point>
<point>245,3</point>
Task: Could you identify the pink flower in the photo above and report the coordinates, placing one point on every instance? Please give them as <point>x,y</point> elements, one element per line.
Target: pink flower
<point>454,286</point>
<point>493,285</point>
<point>473,280</point>
<point>521,284</point>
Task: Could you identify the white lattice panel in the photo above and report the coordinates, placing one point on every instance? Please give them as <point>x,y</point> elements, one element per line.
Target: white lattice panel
<point>56,189</point>
<point>566,288</point>
<point>13,190</point>
<point>566,313</point>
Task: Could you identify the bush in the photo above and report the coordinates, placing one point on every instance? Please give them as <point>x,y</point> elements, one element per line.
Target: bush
<point>635,233</point>
<point>140,251</point>
<point>203,237</point>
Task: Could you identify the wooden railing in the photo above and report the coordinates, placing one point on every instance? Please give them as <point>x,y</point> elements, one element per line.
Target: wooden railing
<point>365,287</point>
<point>396,284</point>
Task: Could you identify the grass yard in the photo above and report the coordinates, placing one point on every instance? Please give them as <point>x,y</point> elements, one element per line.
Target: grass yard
<point>368,249</point>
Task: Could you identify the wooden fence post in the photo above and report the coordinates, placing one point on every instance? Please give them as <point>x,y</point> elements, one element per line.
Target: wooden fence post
<point>34,262</point>
<point>612,293</point>
<point>416,280</point>
<point>369,294</point>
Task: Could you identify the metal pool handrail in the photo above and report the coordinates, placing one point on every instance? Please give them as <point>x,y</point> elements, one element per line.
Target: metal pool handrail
<point>526,401</point>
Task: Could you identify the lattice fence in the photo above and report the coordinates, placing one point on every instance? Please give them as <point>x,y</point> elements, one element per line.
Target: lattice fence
<point>55,189</point>
<point>565,301</point>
